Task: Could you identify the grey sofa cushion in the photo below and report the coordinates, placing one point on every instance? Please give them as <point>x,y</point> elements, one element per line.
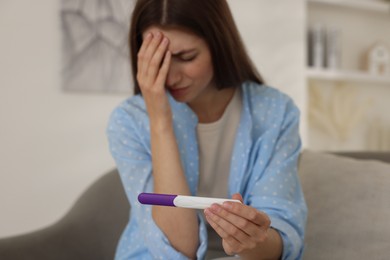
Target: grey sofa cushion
<point>349,207</point>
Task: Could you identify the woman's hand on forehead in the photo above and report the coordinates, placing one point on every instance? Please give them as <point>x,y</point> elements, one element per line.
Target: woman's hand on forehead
<point>153,65</point>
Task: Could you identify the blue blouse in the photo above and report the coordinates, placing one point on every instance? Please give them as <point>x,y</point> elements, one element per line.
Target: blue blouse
<point>263,168</point>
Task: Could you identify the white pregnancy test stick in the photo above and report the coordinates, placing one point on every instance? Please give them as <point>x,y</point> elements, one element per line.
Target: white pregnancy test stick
<point>171,200</point>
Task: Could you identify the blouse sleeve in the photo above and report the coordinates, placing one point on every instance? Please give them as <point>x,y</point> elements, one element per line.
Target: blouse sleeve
<point>131,152</point>
<point>274,186</point>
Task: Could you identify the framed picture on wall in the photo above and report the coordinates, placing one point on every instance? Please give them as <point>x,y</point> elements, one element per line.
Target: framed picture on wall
<point>95,53</point>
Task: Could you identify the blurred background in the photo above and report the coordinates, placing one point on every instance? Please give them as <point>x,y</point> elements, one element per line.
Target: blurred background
<point>63,70</point>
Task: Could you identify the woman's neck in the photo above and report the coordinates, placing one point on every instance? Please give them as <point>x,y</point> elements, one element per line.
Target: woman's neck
<point>211,107</point>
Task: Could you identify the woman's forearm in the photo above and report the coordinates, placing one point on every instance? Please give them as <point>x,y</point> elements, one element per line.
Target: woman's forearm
<point>179,225</point>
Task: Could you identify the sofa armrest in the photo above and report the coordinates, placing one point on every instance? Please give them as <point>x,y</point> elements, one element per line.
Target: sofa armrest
<point>369,155</point>
<point>90,230</point>
<point>347,201</point>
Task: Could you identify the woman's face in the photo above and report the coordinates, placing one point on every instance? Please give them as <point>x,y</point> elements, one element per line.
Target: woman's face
<point>190,76</point>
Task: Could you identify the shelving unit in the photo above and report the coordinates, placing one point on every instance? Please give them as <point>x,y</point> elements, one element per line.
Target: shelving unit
<point>382,7</point>
<point>351,76</point>
<point>367,5</point>
<point>350,91</point>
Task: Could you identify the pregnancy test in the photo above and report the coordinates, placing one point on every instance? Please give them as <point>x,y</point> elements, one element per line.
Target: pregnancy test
<point>181,201</point>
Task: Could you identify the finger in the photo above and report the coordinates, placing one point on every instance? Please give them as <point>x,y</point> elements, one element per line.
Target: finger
<point>237,196</point>
<point>229,228</point>
<point>141,52</point>
<point>239,222</point>
<point>234,244</point>
<point>145,43</point>
<point>162,75</point>
<point>157,59</point>
<point>220,231</point>
<point>149,51</point>
<point>251,214</point>
<point>228,248</point>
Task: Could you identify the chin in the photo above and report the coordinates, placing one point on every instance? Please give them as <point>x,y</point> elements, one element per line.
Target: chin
<point>181,99</point>
<point>181,95</point>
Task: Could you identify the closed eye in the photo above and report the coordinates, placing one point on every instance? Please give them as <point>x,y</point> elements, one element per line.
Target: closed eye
<point>188,58</point>
<point>186,55</point>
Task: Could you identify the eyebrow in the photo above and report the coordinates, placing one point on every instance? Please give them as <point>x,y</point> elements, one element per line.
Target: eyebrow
<point>183,52</point>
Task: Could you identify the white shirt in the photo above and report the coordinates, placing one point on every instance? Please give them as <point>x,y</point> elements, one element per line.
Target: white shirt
<point>216,142</point>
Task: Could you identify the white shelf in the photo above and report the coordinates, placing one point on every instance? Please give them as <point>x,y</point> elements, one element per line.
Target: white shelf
<point>352,76</point>
<point>368,5</point>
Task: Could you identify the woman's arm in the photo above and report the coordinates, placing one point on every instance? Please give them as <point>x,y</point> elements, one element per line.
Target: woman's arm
<point>179,225</point>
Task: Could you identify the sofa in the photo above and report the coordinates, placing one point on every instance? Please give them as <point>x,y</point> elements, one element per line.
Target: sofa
<point>347,196</point>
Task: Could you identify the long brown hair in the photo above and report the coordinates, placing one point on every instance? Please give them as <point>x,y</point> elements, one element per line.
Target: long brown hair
<point>210,20</point>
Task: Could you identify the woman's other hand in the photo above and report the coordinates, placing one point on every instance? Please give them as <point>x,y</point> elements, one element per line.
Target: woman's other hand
<point>244,230</point>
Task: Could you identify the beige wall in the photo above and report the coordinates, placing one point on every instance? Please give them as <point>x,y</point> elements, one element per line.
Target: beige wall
<point>274,33</point>
<point>53,145</point>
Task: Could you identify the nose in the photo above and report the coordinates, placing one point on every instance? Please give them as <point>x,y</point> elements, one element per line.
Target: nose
<point>174,75</point>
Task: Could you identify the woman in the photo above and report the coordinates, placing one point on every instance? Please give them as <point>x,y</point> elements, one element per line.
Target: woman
<point>202,123</point>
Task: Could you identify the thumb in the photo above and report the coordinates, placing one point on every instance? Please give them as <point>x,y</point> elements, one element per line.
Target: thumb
<point>237,196</point>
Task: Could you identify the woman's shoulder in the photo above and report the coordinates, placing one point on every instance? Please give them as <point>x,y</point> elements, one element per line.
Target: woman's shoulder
<point>256,93</point>
<point>129,111</point>
<point>268,105</point>
<point>133,105</point>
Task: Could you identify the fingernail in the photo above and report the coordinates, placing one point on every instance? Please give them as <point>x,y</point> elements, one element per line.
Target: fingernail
<point>227,205</point>
<point>165,40</point>
<point>207,212</point>
<point>215,208</point>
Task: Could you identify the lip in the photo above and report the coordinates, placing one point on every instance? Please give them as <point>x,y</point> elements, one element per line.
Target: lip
<point>177,92</point>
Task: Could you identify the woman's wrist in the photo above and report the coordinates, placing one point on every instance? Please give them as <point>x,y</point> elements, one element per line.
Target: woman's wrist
<point>161,126</point>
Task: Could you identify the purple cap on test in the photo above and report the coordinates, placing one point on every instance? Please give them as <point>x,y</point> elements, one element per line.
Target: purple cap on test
<point>157,199</point>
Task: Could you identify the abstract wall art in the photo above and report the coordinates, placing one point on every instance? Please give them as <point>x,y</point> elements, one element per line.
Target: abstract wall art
<point>95,54</point>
